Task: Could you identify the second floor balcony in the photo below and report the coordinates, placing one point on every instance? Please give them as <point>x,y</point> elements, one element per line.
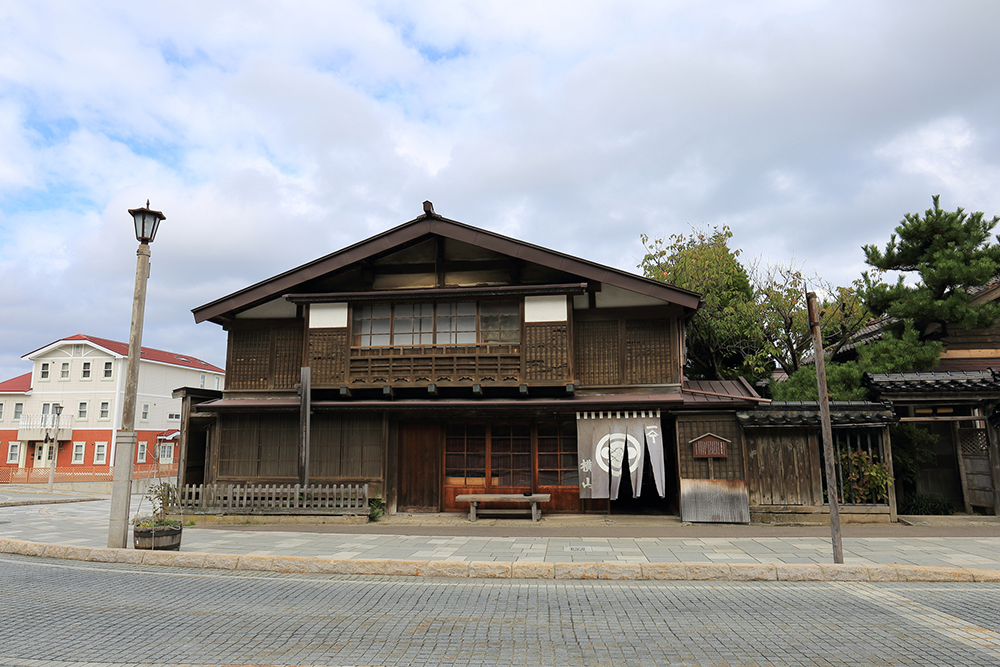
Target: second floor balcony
<point>37,426</point>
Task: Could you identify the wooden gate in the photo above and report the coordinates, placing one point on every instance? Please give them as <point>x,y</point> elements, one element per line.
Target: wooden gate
<point>972,446</point>
<point>783,467</point>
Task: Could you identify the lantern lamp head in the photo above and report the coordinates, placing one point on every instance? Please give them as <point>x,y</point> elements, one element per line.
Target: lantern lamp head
<point>146,223</point>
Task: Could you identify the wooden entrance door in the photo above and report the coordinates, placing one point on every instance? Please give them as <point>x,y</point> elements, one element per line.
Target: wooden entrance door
<point>419,467</point>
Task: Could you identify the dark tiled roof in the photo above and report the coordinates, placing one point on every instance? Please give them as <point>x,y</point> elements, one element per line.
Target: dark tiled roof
<point>934,381</point>
<point>806,413</point>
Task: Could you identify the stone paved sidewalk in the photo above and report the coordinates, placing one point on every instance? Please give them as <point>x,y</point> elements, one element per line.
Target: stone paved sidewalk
<point>84,524</point>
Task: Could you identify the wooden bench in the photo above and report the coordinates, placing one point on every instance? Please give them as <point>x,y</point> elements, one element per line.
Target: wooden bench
<point>475,498</point>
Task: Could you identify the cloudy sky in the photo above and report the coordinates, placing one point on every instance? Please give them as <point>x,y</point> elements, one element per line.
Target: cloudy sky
<point>271,134</point>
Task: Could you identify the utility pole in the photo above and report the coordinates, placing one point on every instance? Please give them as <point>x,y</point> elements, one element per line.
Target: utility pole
<point>824,411</point>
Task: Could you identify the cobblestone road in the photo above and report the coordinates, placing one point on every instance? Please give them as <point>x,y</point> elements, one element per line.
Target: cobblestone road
<point>60,614</point>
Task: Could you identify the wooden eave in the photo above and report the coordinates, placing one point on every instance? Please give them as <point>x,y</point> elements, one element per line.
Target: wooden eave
<point>607,402</point>
<point>430,224</point>
<point>445,293</point>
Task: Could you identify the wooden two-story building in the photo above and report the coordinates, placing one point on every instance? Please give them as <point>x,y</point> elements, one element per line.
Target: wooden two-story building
<point>437,359</point>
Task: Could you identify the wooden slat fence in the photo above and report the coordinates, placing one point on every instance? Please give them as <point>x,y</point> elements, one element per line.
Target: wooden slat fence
<point>273,499</point>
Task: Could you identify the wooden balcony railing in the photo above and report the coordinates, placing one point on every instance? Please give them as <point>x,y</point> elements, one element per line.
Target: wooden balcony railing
<point>435,363</point>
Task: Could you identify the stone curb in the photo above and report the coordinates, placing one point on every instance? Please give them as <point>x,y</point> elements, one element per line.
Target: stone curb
<point>58,501</point>
<point>506,570</point>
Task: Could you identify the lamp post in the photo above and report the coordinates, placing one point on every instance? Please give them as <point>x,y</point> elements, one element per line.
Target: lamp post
<point>146,223</point>
<point>57,411</point>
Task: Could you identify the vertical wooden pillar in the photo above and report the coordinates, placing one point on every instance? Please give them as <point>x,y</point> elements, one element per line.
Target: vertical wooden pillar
<point>305,423</point>
<point>887,453</point>
<point>991,439</point>
<point>956,439</point>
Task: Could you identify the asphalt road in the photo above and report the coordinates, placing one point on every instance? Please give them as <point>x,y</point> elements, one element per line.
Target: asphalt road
<point>71,614</point>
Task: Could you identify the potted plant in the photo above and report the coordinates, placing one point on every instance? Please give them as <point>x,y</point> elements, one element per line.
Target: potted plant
<point>156,531</point>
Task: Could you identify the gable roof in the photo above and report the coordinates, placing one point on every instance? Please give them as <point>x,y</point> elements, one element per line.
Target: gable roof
<point>22,383</point>
<point>121,350</point>
<point>431,224</point>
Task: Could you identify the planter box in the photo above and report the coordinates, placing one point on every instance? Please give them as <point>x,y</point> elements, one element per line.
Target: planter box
<point>158,538</point>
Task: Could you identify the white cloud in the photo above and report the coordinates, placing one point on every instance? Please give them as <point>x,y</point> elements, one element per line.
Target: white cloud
<point>272,134</point>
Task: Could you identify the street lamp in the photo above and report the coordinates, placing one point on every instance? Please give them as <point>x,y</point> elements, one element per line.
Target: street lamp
<point>146,223</point>
<point>57,411</point>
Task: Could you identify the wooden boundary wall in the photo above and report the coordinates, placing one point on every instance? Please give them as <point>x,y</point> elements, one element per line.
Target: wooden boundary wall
<point>273,499</point>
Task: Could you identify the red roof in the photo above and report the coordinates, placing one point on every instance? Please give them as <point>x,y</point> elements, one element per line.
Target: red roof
<point>20,383</point>
<point>148,353</point>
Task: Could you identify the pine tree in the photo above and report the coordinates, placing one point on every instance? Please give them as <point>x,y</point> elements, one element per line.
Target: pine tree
<point>950,252</point>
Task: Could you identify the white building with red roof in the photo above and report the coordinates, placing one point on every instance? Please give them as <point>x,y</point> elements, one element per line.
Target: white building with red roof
<point>85,375</point>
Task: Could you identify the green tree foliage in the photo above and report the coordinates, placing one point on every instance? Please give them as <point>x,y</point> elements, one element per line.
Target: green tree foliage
<point>724,336</point>
<point>949,252</point>
<point>843,383</point>
<point>894,353</point>
<point>780,292</point>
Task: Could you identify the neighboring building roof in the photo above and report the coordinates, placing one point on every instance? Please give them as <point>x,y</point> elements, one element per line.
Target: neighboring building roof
<point>431,224</point>
<point>807,413</point>
<point>20,384</point>
<point>934,381</point>
<point>720,393</point>
<point>121,349</point>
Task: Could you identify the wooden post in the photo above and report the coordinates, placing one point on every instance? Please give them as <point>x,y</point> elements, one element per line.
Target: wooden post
<point>991,438</point>
<point>887,452</point>
<point>824,409</point>
<point>305,424</point>
<point>957,440</point>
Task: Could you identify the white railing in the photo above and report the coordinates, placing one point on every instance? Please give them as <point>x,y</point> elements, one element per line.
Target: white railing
<point>65,422</point>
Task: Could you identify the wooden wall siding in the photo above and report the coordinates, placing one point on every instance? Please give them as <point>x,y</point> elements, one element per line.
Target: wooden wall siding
<point>435,363</point>
<point>346,448</point>
<point>618,351</point>
<point>328,356</point>
<point>690,427</point>
<point>595,348</point>
<point>249,359</point>
<point>648,357</point>
<point>264,357</point>
<point>783,467</point>
<point>546,351</point>
<point>974,339</point>
<point>258,446</point>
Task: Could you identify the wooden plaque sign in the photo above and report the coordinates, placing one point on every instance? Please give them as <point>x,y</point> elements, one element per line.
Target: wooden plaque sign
<point>710,446</point>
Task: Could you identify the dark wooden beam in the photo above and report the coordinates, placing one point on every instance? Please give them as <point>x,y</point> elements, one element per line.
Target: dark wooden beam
<point>448,293</point>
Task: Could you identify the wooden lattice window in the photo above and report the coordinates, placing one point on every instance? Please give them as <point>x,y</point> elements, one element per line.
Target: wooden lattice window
<point>557,454</point>
<point>499,322</point>
<point>510,455</point>
<point>413,324</point>
<point>372,325</point>
<point>465,455</point>
<point>450,323</point>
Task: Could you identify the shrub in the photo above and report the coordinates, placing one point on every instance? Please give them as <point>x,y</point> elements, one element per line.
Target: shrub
<point>926,503</point>
<point>376,508</point>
